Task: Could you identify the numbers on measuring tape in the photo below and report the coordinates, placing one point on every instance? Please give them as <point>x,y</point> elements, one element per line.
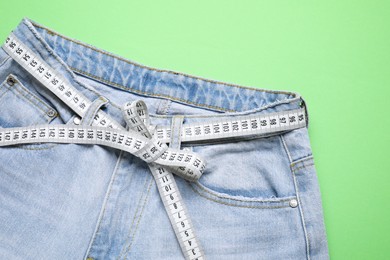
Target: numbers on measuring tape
<point>238,126</point>
<point>177,212</point>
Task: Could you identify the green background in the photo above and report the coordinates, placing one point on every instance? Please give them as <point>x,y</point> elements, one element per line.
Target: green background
<point>336,54</point>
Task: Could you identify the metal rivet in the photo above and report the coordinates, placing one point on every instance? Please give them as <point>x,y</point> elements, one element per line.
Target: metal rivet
<point>293,203</point>
<point>51,113</point>
<point>11,81</point>
<point>76,120</point>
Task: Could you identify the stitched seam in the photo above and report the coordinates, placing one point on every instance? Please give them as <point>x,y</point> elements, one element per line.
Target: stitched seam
<point>304,166</point>
<point>48,120</point>
<point>148,93</point>
<point>226,140</point>
<point>52,32</point>
<point>298,199</point>
<point>139,218</point>
<point>241,206</point>
<point>200,186</point>
<point>219,109</point>
<point>299,203</point>
<point>30,101</point>
<point>32,95</point>
<point>104,206</point>
<point>25,95</point>
<point>302,219</point>
<point>131,234</point>
<point>4,91</point>
<point>302,160</point>
<point>238,113</point>
<point>9,57</point>
<point>285,148</point>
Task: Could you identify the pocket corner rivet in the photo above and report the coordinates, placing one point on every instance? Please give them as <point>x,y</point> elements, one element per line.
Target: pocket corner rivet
<point>51,113</point>
<point>76,120</point>
<point>293,203</point>
<point>11,80</point>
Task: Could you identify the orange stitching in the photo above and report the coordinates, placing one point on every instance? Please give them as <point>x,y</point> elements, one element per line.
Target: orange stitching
<point>150,93</point>
<point>89,46</point>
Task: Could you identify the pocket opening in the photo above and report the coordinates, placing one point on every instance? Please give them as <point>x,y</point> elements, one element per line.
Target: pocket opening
<point>244,172</point>
<point>20,107</point>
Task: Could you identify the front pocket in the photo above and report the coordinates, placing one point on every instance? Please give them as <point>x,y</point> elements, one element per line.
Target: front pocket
<point>21,107</point>
<point>249,173</point>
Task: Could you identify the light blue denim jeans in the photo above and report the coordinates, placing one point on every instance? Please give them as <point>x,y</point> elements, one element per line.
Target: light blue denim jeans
<point>257,199</point>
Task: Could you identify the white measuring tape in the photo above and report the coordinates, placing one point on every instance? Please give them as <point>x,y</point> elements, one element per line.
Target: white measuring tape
<point>141,139</point>
<point>137,117</point>
<point>238,126</point>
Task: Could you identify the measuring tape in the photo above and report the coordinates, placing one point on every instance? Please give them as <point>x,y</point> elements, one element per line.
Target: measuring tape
<point>141,139</point>
<point>238,126</point>
<point>137,118</point>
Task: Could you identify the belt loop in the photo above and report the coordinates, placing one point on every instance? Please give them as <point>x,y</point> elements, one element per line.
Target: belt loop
<point>176,127</point>
<point>92,110</point>
<point>303,104</point>
<point>163,106</point>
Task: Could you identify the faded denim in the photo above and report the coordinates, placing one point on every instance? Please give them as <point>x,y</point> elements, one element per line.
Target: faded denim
<point>75,201</point>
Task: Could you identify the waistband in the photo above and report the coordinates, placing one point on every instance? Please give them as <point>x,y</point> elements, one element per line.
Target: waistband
<point>70,57</point>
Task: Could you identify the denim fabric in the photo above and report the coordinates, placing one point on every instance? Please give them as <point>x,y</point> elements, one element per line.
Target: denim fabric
<point>257,199</point>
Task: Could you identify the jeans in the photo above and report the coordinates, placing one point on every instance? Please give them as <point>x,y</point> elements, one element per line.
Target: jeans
<point>258,197</point>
